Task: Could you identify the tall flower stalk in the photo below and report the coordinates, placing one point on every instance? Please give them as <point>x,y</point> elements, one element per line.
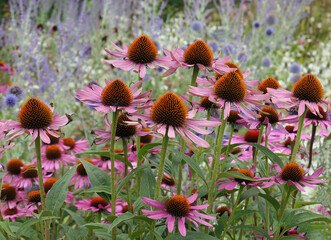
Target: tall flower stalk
<point>298,138</point>
<point>112,159</point>
<point>216,160</point>
<point>41,184</point>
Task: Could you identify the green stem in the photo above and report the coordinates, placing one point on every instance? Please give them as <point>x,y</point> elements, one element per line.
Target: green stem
<point>313,133</point>
<point>161,165</point>
<point>244,220</point>
<point>160,175</point>
<point>194,79</point>
<point>267,174</point>
<point>125,148</point>
<point>285,197</point>
<point>255,150</point>
<point>233,211</point>
<point>216,161</point>
<point>298,138</point>
<point>112,159</point>
<point>41,184</point>
<point>228,147</point>
<point>180,171</point>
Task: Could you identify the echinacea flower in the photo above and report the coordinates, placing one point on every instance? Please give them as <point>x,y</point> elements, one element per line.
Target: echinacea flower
<point>292,174</point>
<point>221,210</point>
<point>12,213</point>
<point>96,204</point>
<point>307,92</point>
<point>123,130</point>
<point>34,197</point>
<point>37,118</point>
<point>53,158</point>
<point>231,183</point>
<point>178,207</point>
<point>116,95</point>
<point>75,146</point>
<point>269,117</point>
<point>10,196</point>
<point>48,184</point>
<point>104,162</point>
<point>170,112</point>
<point>322,119</point>
<point>13,168</point>
<point>141,53</point>
<point>197,54</point>
<point>28,177</point>
<point>290,133</point>
<point>231,90</point>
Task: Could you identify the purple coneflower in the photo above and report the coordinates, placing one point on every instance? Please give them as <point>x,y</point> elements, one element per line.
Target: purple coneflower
<point>38,119</point>
<point>293,174</point>
<point>141,53</point>
<point>178,207</point>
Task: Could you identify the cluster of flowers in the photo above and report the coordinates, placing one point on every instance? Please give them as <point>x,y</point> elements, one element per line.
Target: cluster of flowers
<point>242,102</point>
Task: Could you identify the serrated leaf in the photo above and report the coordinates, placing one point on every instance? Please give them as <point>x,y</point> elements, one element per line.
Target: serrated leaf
<point>58,193</point>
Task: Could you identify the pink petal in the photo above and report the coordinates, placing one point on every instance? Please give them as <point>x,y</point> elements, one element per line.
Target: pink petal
<point>153,203</point>
<point>181,226</point>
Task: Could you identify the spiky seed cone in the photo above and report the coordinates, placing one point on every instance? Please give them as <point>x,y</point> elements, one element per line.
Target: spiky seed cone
<point>308,88</point>
<point>117,94</point>
<point>178,206</point>
<point>142,50</point>
<point>231,87</point>
<point>169,109</point>
<point>35,114</point>
<point>269,82</point>
<point>199,53</point>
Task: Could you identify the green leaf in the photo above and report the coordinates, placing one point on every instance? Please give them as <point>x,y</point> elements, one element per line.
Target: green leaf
<point>271,155</point>
<point>106,153</point>
<point>26,225</point>
<point>78,219</point>
<point>146,149</point>
<point>192,236</point>
<point>289,238</point>
<point>249,193</point>
<point>96,225</point>
<point>147,185</point>
<point>138,204</point>
<point>129,176</point>
<point>121,218</point>
<point>241,213</point>
<point>235,175</point>
<point>300,204</point>
<point>306,217</point>
<point>58,193</point>
<point>191,162</point>
<point>221,224</point>
<point>97,177</point>
<point>255,229</point>
<point>6,227</point>
<point>271,200</point>
<point>99,189</point>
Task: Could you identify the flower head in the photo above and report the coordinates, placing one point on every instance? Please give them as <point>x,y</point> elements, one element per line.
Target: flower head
<point>38,119</point>
<point>307,92</point>
<point>95,204</point>
<point>293,174</point>
<point>141,53</point>
<point>116,95</point>
<point>170,112</point>
<point>177,207</point>
<point>197,54</point>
